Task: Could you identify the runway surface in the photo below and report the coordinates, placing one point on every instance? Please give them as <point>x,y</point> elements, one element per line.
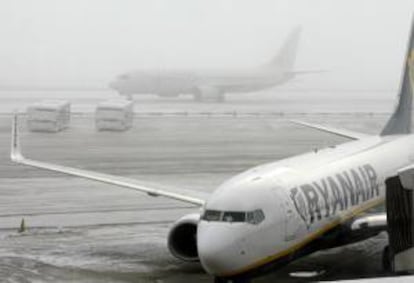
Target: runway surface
<point>83,231</point>
<point>266,101</point>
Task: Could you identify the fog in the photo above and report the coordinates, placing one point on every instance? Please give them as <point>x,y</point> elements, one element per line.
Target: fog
<point>361,44</point>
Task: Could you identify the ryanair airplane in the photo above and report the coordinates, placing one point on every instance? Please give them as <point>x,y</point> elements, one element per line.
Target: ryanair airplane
<point>273,214</point>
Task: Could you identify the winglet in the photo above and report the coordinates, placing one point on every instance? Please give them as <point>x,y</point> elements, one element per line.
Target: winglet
<point>15,153</point>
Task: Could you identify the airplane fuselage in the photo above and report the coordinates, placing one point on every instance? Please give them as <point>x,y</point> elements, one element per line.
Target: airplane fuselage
<point>302,199</point>
<point>176,82</point>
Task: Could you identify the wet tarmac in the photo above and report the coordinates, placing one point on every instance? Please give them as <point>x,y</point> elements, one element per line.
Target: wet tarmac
<point>83,231</point>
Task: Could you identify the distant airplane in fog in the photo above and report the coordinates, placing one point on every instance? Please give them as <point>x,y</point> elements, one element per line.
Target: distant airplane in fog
<point>212,84</point>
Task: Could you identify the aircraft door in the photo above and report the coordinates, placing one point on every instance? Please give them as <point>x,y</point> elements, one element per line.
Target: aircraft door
<point>292,222</point>
<point>288,221</point>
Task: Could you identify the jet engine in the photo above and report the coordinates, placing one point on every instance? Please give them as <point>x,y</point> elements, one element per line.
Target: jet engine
<point>182,239</point>
<point>206,93</point>
<point>168,94</point>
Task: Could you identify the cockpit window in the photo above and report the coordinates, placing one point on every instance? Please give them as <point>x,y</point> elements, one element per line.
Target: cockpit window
<point>254,217</point>
<point>212,215</point>
<point>234,216</point>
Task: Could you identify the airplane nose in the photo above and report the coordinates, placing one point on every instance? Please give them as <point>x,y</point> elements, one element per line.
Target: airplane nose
<point>210,255</point>
<point>219,251</point>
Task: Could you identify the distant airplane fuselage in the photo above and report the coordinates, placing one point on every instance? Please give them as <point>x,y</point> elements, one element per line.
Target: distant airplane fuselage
<point>211,84</point>
<point>203,85</point>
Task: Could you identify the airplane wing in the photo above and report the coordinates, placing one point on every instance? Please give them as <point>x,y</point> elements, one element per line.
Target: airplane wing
<point>188,196</point>
<point>377,222</point>
<point>339,132</point>
<point>406,176</point>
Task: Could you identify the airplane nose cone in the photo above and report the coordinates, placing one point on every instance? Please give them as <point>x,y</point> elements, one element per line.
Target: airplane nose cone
<point>219,251</point>
<point>211,257</point>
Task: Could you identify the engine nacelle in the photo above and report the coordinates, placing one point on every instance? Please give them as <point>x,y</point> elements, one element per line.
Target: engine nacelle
<point>208,93</point>
<point>182,239</point>
<point>168,94</point>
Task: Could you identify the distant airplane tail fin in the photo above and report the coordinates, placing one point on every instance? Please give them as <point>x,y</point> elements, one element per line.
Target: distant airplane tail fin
<point>400,121</point>
<point>285,58</point>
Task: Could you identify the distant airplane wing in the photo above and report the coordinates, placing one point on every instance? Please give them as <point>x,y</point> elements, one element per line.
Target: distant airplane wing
<point>339,132</point>
<point>188,196</point>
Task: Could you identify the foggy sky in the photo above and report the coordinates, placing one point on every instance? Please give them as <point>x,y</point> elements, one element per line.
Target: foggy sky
<point>360,42</point>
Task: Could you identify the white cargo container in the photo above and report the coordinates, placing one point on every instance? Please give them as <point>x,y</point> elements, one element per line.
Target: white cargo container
<point>114,115</point>
<point>48,115</point>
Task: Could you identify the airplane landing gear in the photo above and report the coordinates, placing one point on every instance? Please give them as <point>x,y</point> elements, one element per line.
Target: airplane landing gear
<point>128,96</point>
<point>220,98</point>
<point>197,97</point>
<point>209,94</point>
<point>231,280</point>
<point>387,260</point>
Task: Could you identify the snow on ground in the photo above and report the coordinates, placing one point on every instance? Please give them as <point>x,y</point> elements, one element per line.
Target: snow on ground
<point>83,231</point>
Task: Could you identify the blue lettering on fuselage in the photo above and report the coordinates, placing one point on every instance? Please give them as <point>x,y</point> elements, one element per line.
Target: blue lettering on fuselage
<point>327,196</point>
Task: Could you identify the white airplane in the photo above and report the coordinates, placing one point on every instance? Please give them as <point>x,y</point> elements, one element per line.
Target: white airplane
<point>275,213</point>
<point>212,84</point>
